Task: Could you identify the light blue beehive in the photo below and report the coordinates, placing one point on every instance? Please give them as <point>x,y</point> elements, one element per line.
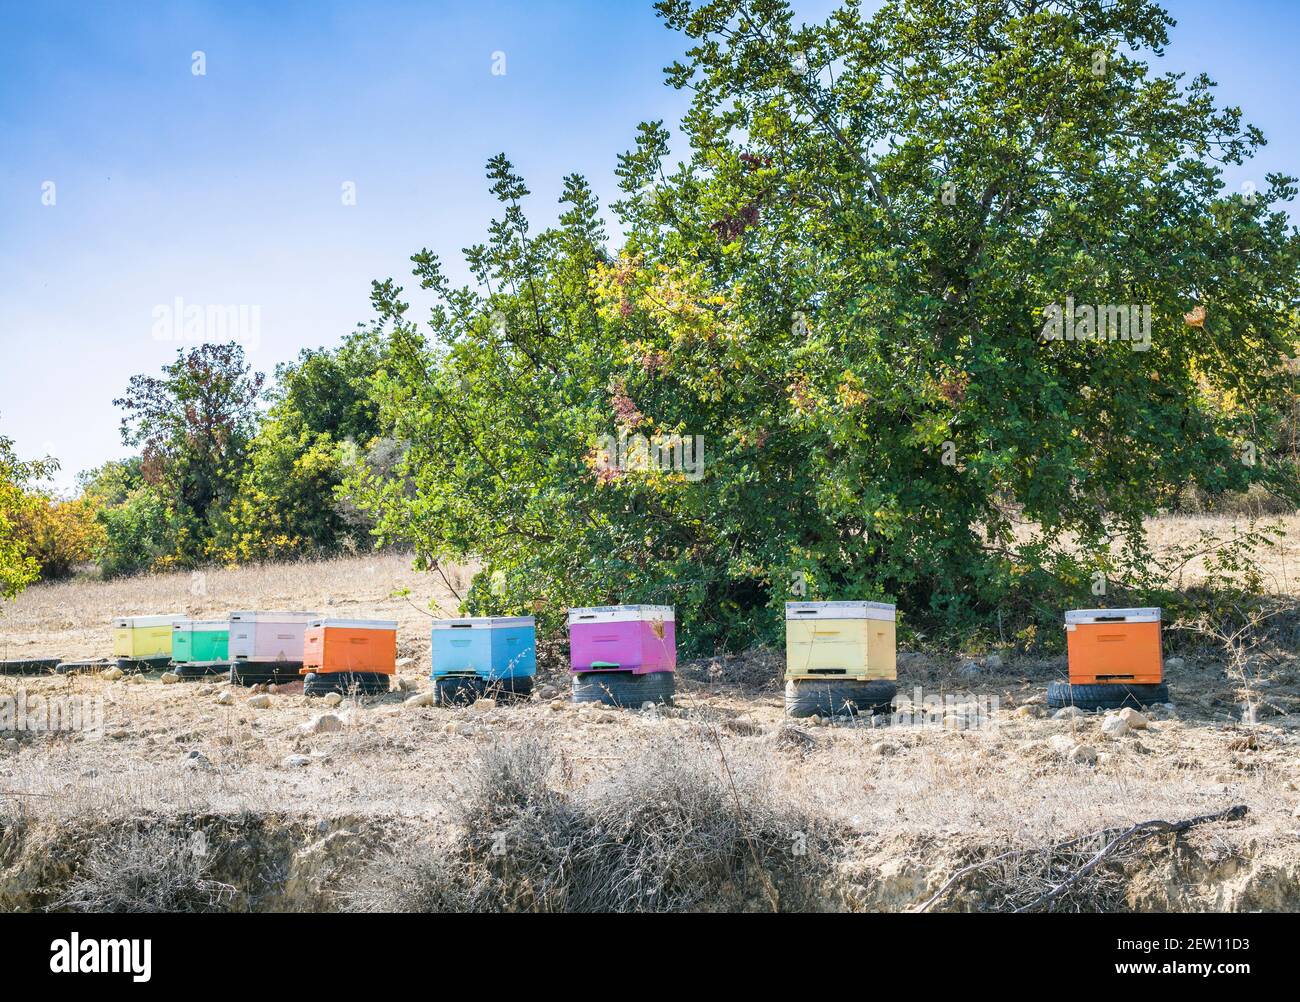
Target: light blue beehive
<point>491,647</point>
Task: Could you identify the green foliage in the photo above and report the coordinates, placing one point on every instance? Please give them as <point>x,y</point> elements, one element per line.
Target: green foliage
<point>18,508</point>
<point>328,391</point>
<point>193,425</point>
<point>284,505</point>
<point>139,534</point>
<point>842,287</point>
<point>288,501</point>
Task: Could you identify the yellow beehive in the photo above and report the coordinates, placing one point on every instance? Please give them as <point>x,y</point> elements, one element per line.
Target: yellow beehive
<point>144,636</point>
<point>840,640</point>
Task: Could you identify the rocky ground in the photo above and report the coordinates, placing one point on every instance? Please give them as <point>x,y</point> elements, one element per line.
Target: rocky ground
<point>309,790</point>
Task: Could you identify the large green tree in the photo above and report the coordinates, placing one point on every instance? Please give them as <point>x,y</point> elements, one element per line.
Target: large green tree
<point>193,424</point>
<point>843,285</point>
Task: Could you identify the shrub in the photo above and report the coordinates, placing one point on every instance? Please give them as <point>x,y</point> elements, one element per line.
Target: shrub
<point>138,534</point>
<point>676,831</point>
<point>145,871</point>
<point>61,535</point>
<point>18,508</point>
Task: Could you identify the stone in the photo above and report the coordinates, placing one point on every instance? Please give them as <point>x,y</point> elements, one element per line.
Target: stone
<point>111,674</point>
<point>196,761</point>
<point>169,678</point>
<point>295,761</point>
<point>1082,755</point>
<point>546,693</point>
<point>993,662</point>
<point>969,669</point>
<point>557,704</point>
<point>1061,743</point>
<point>483,705</point>
<point>259,702</point>
<point>225,699</point>
<point>790,736</point>
<point>1137,721</point>
<point>332,698</point>
<point>1026,711</point>
<point>403,662</point>
<point>1068,713</point>
<point>1114,726</point>
<point>737,725</point>
<point>419,699</point>
<point>324,723</point>
<point>405,684</point>
<point>1174,662</point>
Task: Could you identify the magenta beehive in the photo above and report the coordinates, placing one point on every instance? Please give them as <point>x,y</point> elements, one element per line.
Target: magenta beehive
<point>636,638</point>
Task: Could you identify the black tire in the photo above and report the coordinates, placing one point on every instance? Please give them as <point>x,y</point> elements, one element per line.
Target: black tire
<point>814,697</point>
<point>197,671</point>
<point>143,666</point>
<point>623,688</point>
<point>509,688</point>
<point>249,673</point>
<point>457,690</point>
<point>1110,696</point>
<point>345,683</point>
<point>82,667</point>
<point>29,666</point>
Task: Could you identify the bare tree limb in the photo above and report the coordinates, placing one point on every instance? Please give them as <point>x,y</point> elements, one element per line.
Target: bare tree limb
<point>1140,831</point>
<point>1145,829</point>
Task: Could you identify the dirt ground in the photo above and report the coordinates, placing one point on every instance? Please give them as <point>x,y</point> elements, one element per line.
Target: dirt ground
<point>917,802</point>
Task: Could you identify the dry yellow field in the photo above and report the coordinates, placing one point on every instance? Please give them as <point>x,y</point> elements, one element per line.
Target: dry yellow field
<point>312,805</point>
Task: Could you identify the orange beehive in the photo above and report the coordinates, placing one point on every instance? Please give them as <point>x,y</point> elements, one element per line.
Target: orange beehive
<point>1114,645</point>
<point>350,645</point>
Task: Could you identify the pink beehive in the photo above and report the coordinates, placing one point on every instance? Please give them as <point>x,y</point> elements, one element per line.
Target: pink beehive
<point>268,636</point>
<point>636,638</point>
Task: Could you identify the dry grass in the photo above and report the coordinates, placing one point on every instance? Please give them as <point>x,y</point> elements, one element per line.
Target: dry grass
<point>148,871</point>
<point>674,831</point>
<point>907,806</point>
<point>70,619</point>
<point>1278,565</point>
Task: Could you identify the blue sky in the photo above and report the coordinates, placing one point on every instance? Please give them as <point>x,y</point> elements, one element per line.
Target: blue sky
<point>226,188</point>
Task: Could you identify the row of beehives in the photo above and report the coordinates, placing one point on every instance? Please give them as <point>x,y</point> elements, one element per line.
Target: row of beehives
<point>627,654</point>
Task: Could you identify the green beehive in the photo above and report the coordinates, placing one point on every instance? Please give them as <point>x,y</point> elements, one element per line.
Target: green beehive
<point>198,641</point>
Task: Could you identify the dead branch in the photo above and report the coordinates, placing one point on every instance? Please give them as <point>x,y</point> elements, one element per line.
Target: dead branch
<point>1138,832</point>
<point>1116,836</point>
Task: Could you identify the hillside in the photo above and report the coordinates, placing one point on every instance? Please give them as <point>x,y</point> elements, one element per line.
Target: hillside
<point>366,810</point>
